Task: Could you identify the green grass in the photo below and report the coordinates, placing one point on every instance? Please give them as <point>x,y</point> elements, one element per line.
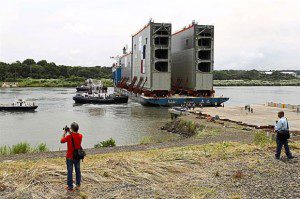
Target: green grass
<point>21,148</point>
<point>106,143</point>
<point>42,147</point>
<point>158,138</point>
<point>261,139</point>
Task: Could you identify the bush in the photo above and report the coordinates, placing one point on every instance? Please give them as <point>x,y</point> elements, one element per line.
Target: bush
<point>106,143</point>
<point>5,150</point>
<point>22,147</point>
<point>260,138</point>
<point>42,147</point>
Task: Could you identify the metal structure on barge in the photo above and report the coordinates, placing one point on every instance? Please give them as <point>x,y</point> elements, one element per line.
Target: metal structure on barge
<point>168,70</point>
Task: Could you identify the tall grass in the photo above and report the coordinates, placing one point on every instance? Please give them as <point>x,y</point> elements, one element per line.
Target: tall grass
<point>21,148</point>
<point>261,139</point>
<point>106,143</point>
<point>42,147</point>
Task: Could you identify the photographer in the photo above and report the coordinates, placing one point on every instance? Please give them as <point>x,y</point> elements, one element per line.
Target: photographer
<point>73,139</point>
<point>282,136</point>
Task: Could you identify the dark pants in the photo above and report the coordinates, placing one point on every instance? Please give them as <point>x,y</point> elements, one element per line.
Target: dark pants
<point>70,164</point>
<point>281,143</point>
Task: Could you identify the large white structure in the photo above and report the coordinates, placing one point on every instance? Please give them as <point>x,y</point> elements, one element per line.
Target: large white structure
<point>151,55</point>
<point>193,57</point>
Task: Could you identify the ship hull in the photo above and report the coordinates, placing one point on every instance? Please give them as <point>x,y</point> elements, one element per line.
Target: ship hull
<point>93,100</point>
<point>172,101</point>
<point>18,108</point>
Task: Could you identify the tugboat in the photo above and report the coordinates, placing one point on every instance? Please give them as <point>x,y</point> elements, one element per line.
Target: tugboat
<point>100,99</point>
<point>90,85</point>
<point>19,105</point>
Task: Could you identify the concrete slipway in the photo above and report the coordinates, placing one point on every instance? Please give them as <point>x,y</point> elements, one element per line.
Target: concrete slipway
<point>262,115</point>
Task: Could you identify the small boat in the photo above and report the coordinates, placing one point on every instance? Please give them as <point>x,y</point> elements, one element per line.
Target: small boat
<point>100,99</point>
<point>19,105</point>
<point>83,88</point>
<point>178,111</point>
<point>91,85</point>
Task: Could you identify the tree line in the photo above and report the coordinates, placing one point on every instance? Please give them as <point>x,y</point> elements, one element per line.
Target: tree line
<point>250,75</point>
<point>44,70</point>
<point>49,70</point>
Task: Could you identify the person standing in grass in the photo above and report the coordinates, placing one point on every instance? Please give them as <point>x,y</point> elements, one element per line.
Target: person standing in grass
<point>73,139</point>
<point>282,136</point>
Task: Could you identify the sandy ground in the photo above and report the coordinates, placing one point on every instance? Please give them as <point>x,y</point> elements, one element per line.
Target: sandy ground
<point>261,116</point>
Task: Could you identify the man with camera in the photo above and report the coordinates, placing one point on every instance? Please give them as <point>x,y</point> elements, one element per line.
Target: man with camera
<point>282,136</point>
<point>73,141</point>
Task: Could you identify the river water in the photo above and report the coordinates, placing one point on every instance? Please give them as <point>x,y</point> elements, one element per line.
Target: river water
<point>127,123</point>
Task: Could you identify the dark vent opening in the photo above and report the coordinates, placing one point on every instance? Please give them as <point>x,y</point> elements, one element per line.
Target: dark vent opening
<point>161,41</point>
<point>161,66</point>
<point>204,66</point>
<point>161,32</point>
<point>204,42</point>
<point>204,54</point>
<point>206,33</point>
<point>161,53</point>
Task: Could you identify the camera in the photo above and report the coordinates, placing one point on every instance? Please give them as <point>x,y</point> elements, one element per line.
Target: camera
<point>66,128</point>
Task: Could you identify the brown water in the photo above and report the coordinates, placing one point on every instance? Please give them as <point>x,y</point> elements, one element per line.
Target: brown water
<point>126,123</point>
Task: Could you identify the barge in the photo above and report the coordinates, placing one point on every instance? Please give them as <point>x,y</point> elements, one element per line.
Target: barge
<point>165,69</point>
<point>173,100</point>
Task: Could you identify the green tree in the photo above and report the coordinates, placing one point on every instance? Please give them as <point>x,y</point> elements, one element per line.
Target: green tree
<point>28,62</point>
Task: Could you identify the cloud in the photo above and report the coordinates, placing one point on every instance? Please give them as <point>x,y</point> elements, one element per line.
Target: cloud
<point>248,34</point>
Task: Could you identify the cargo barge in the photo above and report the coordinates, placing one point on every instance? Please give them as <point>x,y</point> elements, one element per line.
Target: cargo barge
<point>175,100</point>
<point>165,69</point>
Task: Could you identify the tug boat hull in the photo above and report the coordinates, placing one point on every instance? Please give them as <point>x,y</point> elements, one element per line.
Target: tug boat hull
<point>96,100</point>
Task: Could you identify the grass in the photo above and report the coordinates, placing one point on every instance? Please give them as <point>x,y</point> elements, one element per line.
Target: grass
<point>106,143</point>
<point>261,139</point>
<point>23,147</point>
<point>157,138</point>
<point>179,172</point>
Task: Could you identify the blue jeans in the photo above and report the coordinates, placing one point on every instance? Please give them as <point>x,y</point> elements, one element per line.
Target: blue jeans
<point>281,143</point>
<point>70,163</point>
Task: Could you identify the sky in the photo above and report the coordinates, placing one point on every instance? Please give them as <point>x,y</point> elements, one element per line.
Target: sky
<point>249,34</point>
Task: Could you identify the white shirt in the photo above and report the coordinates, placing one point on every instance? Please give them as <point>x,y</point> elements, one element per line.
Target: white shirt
<point>281,124</point>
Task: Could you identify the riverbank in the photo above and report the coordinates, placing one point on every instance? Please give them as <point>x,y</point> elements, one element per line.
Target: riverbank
<point>219,170</point>
<point>292,82</point>
<point>219,159</point>
<point>73,82</point>
<point>64,82</point>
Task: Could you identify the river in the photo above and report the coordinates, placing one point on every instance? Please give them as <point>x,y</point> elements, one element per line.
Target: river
<point>127,123</point>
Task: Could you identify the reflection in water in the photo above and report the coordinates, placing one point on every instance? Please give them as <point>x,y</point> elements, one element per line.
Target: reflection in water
<point>96,111</point>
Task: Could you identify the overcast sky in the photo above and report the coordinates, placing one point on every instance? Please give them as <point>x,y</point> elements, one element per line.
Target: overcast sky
<point>249,34</point>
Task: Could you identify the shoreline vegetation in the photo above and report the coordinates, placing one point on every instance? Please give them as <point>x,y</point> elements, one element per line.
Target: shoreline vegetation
<point>77,81</point>
<point>63,82</point>
<point>30,73</point>
<point>291,82</point>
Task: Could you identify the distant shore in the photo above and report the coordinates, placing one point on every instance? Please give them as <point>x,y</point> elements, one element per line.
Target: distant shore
<point>69,82</point>
<point>63,82</point>
<point>292,82</point>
